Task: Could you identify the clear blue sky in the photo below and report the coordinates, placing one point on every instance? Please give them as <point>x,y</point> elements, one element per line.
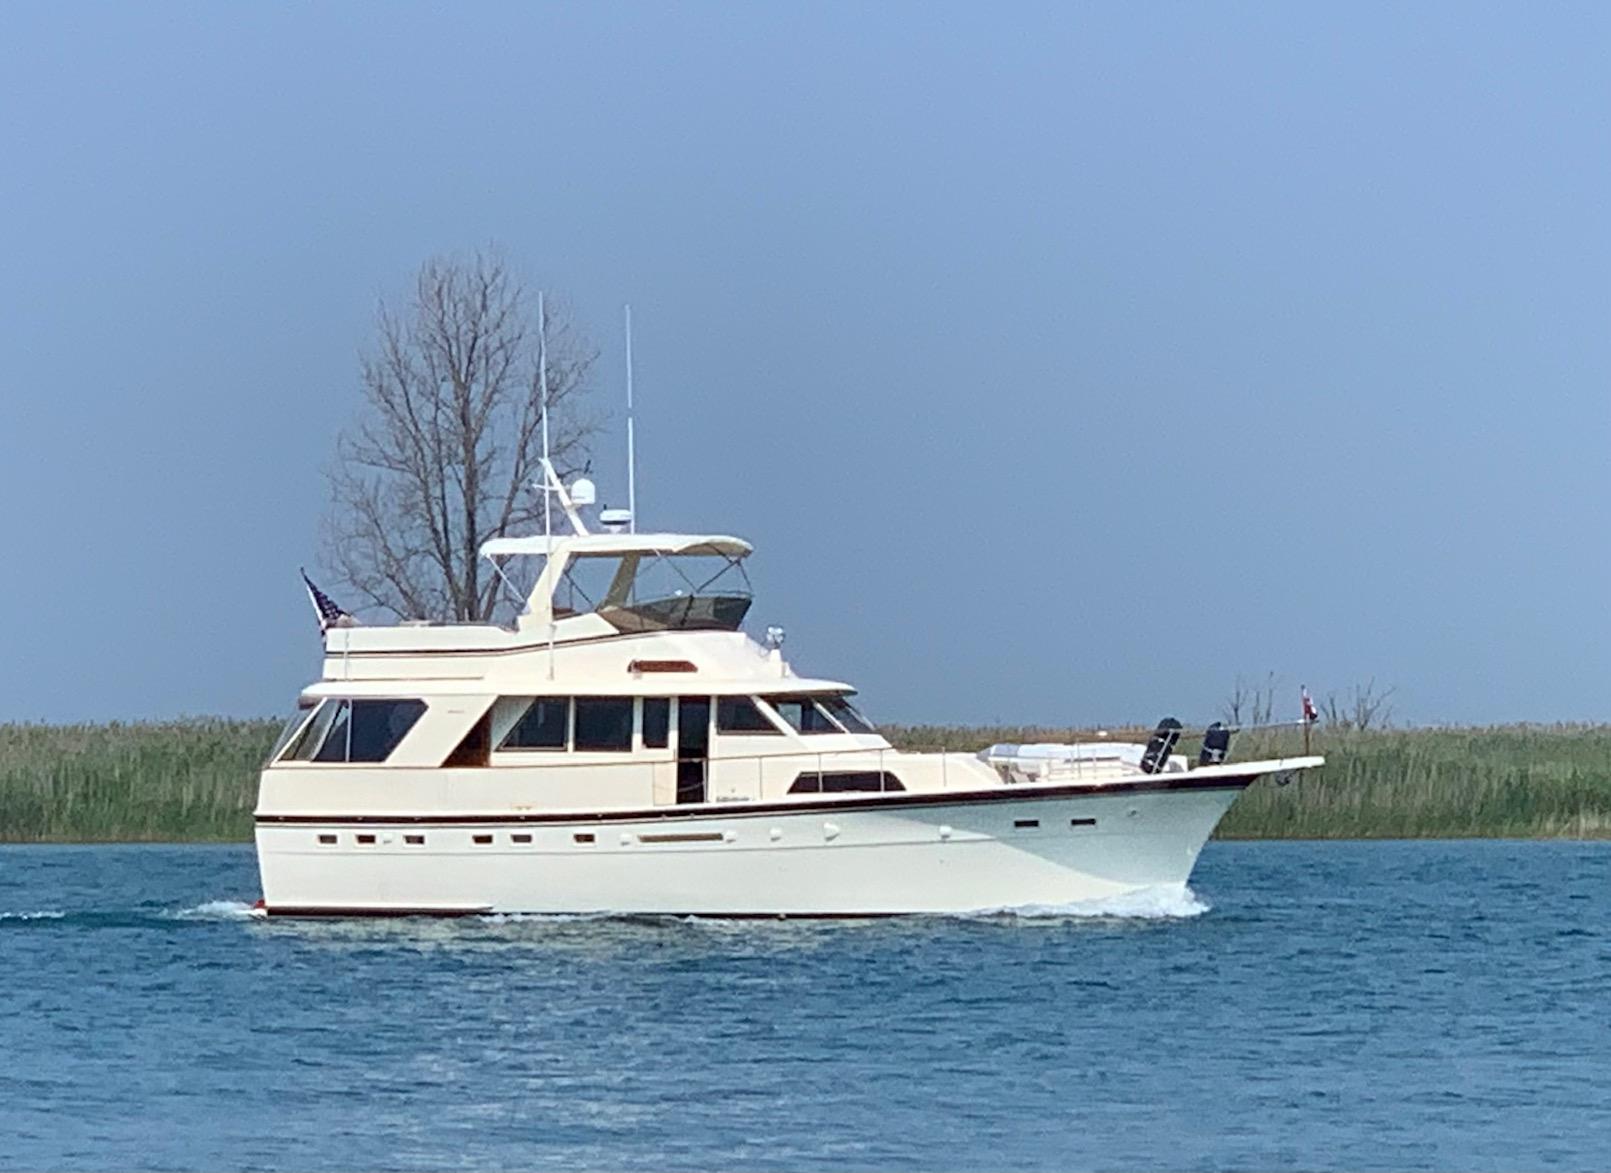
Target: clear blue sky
<point>1064,362</point>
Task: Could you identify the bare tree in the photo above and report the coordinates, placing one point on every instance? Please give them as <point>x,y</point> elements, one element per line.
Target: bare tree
<point>1367,707</point>
<point>449,442</point>
<point>1254,701</point>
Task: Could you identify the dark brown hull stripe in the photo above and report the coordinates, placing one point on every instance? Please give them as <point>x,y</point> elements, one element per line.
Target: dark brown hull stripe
<point>289,911</point>
<point>889,802</point>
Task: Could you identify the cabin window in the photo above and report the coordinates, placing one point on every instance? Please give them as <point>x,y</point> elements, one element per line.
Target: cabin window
<point>542,726</point>
<point>845,713</point>
<point>845,781</point>
<point>292,725</point>
<point>738,714</point>
<point>355,730</point>
<point>378,726</point>
<point>603,723</point>
<point>803,714</point>
<point>656,722</point>
<point>306,744</point>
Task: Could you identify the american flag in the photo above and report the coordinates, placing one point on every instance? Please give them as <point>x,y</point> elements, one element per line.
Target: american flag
<point>324,606</point>
<point>1310,714</point>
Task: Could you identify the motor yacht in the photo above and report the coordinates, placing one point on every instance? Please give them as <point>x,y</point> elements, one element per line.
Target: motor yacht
<point>622,745</point>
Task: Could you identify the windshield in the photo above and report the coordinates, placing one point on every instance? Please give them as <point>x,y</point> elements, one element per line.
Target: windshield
<point>845,713</point>
<point>656,592</point>
<point>803,714</point>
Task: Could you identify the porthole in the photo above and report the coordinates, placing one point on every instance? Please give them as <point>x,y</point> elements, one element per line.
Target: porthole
<point>520,838</point>
<point>366,840</point>
<point>327,840</point>
<point>414,840</point>
<point>481,840</point>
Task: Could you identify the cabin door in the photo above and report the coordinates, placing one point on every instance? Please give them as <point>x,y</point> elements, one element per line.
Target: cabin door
<point>693,747</point>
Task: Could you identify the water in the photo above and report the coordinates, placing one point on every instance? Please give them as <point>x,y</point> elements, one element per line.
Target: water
<point>1405,1005</point>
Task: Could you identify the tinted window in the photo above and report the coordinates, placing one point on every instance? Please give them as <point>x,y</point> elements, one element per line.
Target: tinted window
<point>802,714</point>
<point>334,748</point>
<point>656,722</point>
<point>845,781</point>
<point>603,722</point>
<point>291,726</point>
<point>541,727</point>
<point>377,727</point>
<point>312,736</point>
<point>845,713</point>
<point>738,714</point>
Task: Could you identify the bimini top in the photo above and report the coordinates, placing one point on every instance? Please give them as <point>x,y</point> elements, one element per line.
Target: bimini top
<point>538,545</point>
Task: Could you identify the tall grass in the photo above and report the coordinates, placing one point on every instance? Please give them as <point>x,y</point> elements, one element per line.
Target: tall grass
<point>188,779</point>
<point>1502,781</point>
<point>197,780</point>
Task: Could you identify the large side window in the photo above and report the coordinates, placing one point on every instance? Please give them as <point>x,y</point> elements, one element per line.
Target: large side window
<point>355,730</point>
<point>738,714</point>
<point>543,725</point>
<point>378,726</point>
<point>603,722</point>
<point>656,722</point>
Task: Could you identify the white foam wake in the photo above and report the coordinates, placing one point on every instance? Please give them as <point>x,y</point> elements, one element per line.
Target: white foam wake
<point>1164,902</point>
<point>217,910</point>
<point>40,914</point>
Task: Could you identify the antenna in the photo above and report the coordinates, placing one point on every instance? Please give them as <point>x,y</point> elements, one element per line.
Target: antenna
<point>548,473</point>
<point>632,449</point>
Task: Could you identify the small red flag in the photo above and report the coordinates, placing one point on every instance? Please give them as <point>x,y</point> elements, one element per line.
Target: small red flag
<point>1310,715</point>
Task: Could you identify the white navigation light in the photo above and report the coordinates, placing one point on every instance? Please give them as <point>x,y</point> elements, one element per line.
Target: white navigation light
<point>583,492</point>
<point>615,521</point>
<point>774,636</point>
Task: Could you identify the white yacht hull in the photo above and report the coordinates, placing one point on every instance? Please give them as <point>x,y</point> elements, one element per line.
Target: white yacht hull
<point>857,856</point>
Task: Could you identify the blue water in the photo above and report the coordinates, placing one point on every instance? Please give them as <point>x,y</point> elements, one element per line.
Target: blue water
<point>1361,1006</point>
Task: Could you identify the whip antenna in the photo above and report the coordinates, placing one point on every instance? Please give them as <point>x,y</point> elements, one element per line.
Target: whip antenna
<point>548,474</point>
<point>632,448</point>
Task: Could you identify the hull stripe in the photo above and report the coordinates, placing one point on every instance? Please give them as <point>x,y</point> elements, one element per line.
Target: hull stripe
<point>892,802</point>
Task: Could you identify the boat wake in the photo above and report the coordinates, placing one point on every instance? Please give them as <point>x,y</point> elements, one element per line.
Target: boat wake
<point>217,910</point>
<point>1165,902</point>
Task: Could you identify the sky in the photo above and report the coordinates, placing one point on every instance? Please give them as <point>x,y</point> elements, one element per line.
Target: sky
<point>1064,362</point>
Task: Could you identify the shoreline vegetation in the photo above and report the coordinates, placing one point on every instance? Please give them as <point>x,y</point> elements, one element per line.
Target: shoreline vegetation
<point>195,780</point>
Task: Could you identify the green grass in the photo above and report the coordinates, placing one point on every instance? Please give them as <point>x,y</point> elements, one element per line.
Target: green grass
<point>197,780</point>
<point>1503,781</point>
<point>172,780</point>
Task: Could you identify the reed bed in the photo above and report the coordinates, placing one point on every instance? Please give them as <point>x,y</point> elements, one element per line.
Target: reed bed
<point>192,779</point>
<point>196,779</point>
<point>1501,781</point>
